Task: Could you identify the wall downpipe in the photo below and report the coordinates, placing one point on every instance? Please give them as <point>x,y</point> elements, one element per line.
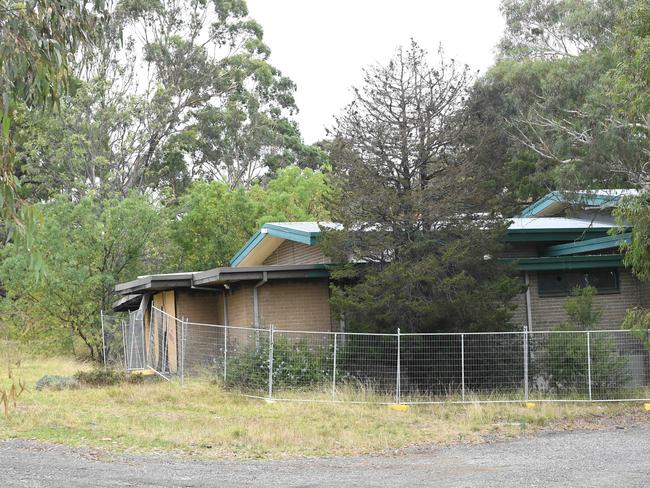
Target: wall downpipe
<point>529,307</point>
<point>256,302</point>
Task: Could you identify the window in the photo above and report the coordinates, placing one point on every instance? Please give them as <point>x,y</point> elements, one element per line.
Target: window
<point>560,283</point>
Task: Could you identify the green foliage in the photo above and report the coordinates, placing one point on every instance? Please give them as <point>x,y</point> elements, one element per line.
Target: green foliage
<point>103,377</point>
<point>566,353</point>
<point>215,220</point>
<point>429,250</point>
<point>557,28</point>
<point>581,310</point>
<point>55,382</point>
<point>87,247</point>
<point>637,320</point>
<point>296,364</point>
<point>38,38</point>
<point>293,195</point>
<point>567,366</point>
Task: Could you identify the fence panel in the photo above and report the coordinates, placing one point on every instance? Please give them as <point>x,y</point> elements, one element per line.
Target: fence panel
<point>113,348</point>
<point>620,365</point>
<point>431,366</point>
<point>409,368</point>
<point>494,366</point>
<point>303,363</point>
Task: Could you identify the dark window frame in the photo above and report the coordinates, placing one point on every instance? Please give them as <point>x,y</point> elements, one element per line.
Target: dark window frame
<point>574,277</point>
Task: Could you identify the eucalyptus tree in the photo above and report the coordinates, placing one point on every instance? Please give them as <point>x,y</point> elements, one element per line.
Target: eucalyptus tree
<point>38,39</point>
<point>146,98</point>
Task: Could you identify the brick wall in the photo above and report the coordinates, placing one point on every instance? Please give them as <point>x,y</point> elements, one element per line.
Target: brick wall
<point>199,306</point>
<point>240,306</point>
<point>201,342</point>
<point>291,252</point>
<point>548,312</point>
<point>296,304</point>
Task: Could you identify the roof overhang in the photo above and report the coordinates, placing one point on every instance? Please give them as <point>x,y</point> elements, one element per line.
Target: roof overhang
<point>222,276</point>
<point>588,245</point>
<point>127,303</point>
<point>155,283</point>
<point>554,234</point>
<point>562,263</point>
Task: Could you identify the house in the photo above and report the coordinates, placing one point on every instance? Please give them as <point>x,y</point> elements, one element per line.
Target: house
<point>280,277</point>
<point>562,241</point>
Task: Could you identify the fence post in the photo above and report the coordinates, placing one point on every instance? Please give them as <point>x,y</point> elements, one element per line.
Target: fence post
<point>271,329</point>
<point>101,318</point>
<point>462,365</point>
<point>525,362</point>
<point>399,372</point>
<point>124,344</point>
<point>589,363</point>
<point>334,369</point>
<point>225,353</point>
<point>183,339</point>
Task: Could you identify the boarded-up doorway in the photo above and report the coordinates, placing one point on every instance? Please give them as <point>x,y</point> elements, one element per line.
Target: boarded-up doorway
<point>164,345</point>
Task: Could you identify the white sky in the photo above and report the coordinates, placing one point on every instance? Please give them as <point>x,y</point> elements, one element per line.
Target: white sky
<point>322,45</point>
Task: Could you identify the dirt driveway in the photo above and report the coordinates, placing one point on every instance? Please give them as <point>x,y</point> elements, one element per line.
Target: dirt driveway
<point>606,458</point>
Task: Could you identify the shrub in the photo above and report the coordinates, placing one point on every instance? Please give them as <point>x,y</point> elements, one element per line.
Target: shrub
<point>565,361</point>
<point>100,377</point>
<point>567,366</point>
<point>54,382</point>
<point>295,364</point>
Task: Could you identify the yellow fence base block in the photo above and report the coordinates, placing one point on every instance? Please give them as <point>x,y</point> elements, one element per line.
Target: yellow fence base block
<point>399,408</point>
<point>647,407</point>
<point>531,405</point>
<point>142,372</point>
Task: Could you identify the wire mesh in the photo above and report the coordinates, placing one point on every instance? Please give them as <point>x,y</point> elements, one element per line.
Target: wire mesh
<point>113,346</point>
<point>557,365</point>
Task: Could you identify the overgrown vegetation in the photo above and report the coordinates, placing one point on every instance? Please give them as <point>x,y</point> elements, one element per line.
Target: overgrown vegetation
<point>569,363</point>
<point>296,364</point>
<point>175,168</point>
<point>204,421</point>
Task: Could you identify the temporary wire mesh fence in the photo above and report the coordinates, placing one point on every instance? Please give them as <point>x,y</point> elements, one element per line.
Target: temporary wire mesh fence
<point>123,340</point>
<point>403,368</point>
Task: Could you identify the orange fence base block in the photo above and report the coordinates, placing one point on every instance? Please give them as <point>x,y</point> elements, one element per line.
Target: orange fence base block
<point>399,408</point>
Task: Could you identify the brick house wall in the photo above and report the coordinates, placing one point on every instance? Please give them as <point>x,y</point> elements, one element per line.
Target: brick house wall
<point>296,305</point>
<point>548,312</point>
<point>290,252</point>
<point>201,342</point>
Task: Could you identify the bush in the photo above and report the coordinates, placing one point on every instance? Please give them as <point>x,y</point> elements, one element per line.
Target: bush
<point>100,377</point>
<point>565,360</point>
<point>567,366</point>
<point>295,364</point>
<point>54,382</point>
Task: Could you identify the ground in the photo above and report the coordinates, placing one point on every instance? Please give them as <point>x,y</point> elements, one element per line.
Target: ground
<point>200,420</point>
<point>603,458</point>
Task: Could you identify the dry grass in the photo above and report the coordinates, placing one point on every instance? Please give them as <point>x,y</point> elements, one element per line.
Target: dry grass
<point>201,419</point>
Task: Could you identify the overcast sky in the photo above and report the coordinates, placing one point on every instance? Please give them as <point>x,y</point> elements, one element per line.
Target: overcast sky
<point>323,44</point>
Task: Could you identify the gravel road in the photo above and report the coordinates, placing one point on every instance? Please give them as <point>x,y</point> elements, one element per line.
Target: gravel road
<point>612,458</point>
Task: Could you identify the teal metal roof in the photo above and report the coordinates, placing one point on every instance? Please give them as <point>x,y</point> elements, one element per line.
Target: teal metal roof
<point>584,198</point>
<point>588,245</point>
<point>304,232</point>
